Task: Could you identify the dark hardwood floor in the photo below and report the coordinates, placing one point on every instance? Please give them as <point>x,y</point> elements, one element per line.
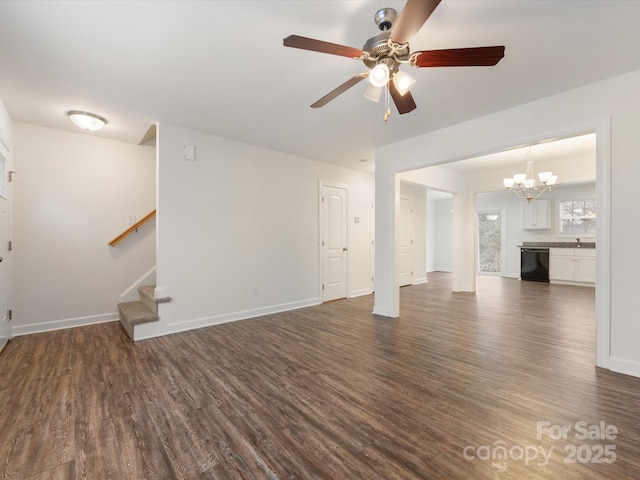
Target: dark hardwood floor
<point>331,392</point>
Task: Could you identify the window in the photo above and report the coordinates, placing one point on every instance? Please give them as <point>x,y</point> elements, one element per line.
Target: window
<point>490,242</point>
<point>578,217</point>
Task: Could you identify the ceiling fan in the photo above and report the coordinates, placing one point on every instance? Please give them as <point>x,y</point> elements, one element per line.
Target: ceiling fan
<point>385,52</point>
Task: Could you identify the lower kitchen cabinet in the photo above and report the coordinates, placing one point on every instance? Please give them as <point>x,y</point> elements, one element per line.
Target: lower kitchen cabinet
<point>572,265</point>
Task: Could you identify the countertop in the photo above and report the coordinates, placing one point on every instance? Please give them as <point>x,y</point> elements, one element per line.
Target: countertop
<point>557,245</point>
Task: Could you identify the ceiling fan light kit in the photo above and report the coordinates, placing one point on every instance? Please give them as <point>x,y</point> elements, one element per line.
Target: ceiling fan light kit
<point>379,75</point>
<point>373,93</point>
<point>403,82</point>
<point>383,54</point>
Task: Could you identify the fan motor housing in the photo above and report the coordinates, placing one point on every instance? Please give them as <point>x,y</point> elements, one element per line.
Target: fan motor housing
<point>380,51</point>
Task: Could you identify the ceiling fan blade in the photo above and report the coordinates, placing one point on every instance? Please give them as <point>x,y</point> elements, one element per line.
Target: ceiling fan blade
<point>296,41</point>
<point>411,19</point>
<point>404,103</point>
<point>458,57</point>
<point>340,90</point>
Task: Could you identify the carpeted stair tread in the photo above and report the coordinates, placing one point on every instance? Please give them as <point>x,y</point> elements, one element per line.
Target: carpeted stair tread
<point>136,313</point>
<point>147,290</point>
<point>141,311</point>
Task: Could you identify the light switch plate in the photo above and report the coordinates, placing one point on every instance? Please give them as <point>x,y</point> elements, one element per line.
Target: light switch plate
<point>189,152</point>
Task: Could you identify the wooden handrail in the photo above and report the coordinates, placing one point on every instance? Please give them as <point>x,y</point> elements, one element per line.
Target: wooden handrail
<point>132,229</point>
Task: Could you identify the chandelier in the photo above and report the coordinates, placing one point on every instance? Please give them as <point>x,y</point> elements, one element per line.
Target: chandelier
<point>525,185</point>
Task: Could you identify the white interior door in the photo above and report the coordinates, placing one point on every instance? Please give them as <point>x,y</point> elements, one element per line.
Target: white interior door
<point>405,225</point>
<point>334,243</point>
<point>5,329</point>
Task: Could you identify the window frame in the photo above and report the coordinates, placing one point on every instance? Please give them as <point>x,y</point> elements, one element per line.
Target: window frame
<point>561,217</point>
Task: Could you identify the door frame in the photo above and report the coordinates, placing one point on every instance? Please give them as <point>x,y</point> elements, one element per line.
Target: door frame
<point>410,234</point>
<point>5,151</point>
<point>321,186</point>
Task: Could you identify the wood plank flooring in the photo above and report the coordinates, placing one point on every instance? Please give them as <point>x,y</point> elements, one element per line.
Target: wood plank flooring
<point>329,392</point>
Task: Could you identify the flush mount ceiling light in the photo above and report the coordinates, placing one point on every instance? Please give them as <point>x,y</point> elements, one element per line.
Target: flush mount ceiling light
<point>87,121</point>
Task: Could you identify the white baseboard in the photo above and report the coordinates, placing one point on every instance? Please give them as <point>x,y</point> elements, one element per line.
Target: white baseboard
<point>578,284</point>
<point>626,367</point>
<point>439,269</point>
<point>143,333</point>
<point>360,293</point>
<point>418,281</point>
<point>384,312</point>
<point>30,328</point>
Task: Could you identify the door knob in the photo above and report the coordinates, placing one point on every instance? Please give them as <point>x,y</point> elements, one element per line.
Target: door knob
<point>344,250</point>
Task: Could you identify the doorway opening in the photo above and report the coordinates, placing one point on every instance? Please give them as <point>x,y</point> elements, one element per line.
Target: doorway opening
<point>491,242</point>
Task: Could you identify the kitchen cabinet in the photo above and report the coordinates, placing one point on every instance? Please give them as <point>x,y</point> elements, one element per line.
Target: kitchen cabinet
<point>572,265</point>
<point>536,215</point>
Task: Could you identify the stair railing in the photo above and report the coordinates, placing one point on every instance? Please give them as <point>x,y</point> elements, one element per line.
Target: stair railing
<point>132,228</point>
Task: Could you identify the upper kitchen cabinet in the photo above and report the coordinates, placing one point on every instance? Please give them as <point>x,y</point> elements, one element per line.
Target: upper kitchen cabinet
<point>536,215</point>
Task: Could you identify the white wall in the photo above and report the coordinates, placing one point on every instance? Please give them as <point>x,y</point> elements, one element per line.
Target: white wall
<point>440,224</point>
<point>513,208</point>
<point>241,217</point>
<point>577,111</point>
<point>72,195</point>
<point>5,126</point>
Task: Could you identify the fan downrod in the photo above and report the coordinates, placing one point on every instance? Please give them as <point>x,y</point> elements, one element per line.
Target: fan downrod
<point>379,49</point>
<point>384,18</point>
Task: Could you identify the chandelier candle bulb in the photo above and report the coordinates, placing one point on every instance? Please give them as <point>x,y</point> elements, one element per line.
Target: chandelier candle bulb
<point>520,178</point>
<point>545,176</point>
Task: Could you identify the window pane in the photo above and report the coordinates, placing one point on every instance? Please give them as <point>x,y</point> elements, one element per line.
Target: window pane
<point>578,216</point>
<point>490,242</point>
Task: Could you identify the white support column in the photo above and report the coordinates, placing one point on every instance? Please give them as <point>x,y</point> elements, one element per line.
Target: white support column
<point>464,243</point>
<point>387,294</point>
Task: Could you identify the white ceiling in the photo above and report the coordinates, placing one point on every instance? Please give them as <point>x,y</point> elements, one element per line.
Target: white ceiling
<point>556,150</point>
<point>220,67</point>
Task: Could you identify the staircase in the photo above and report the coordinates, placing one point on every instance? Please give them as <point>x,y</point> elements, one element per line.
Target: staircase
<point>142,311</point>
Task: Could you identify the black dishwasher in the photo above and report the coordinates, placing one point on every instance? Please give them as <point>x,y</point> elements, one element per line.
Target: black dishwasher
<point>534,264</point>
